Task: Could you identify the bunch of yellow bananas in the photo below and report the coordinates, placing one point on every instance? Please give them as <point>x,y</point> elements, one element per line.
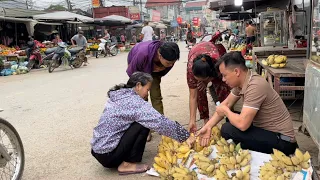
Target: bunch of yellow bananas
<point>268,171</point>
<point>281,166</point>
<point>275,61</point>
<point>241,159</point>
<point>206,166</point>
<point>182,173</point>
<point>295,163</point>
<point>243,174</point>
<point>169,151</point>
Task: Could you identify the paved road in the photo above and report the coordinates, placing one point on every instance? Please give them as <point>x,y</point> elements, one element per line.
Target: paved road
<point>55,114</point>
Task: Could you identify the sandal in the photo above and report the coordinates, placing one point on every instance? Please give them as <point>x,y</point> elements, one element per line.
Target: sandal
<point>140,168</point>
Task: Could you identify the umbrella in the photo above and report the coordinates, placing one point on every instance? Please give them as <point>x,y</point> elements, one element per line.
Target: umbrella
<point>117,18</point>
<point>161,26</point>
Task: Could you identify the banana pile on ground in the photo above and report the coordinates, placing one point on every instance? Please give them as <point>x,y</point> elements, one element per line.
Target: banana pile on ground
<point>241,159</point>
<point>206,166</point>
<point>275,61</point>
<point>281,166</point>
<point>169,151</point>
<point>179,173</point>
<point>212,168</point>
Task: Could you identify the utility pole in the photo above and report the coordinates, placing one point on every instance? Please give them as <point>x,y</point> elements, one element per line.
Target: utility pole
<point>69,5</point>
<point>141,13</point>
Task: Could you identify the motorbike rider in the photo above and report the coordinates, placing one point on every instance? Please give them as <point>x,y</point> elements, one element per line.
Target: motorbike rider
<point>33,49</point>
<point>80,40</point>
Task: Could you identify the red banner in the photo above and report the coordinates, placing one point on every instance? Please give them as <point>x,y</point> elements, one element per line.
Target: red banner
<point>195,21</point>
<point>135,16</point>
<point>155,16</point>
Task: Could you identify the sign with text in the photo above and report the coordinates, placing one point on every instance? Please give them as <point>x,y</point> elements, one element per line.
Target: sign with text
<point>135,16</point>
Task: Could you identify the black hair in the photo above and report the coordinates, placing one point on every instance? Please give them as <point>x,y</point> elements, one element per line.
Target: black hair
<point>170,51</point>
<point>146,23</point>
<point>250,22</point>
<point>203,67</point>
<point>237,27</point>
<point>137,77</point>
<point>233,58</point>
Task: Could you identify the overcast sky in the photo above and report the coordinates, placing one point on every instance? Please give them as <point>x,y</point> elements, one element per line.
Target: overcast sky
<point>82,4</point>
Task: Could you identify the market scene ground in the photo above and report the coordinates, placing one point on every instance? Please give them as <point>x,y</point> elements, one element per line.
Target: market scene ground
<point>55,114</point>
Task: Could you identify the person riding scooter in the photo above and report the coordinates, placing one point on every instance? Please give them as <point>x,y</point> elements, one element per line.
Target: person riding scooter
<point>33,52</point>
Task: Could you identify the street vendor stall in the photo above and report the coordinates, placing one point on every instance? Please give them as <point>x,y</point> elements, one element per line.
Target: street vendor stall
<point>284,80</point>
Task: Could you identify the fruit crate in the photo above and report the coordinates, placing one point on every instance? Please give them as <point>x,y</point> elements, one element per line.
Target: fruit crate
<point>287,94</point>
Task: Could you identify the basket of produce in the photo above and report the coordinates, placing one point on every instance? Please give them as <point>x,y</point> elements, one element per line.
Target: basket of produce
<point>94,47</point>
<point>275,61</point>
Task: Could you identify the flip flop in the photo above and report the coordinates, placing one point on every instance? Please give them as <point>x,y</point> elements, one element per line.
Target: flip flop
<point>140,168</point>
<point>149,138</point>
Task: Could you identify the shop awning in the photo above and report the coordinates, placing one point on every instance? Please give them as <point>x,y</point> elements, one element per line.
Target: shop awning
<point>30,23</point>
<point>228,5</point>
<point>115,18</point>
<point>62,16</point>
<point>233,16</point>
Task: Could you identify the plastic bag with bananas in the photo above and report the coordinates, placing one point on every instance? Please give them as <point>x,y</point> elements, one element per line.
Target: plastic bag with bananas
<point>275,61</point>
<point>281,166</point>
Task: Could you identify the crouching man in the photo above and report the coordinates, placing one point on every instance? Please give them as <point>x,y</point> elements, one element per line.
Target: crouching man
<point>264,122</point>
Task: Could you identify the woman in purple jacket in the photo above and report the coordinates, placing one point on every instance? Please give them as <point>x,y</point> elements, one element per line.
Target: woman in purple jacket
<point>120,137</point>
<point>156,58</point>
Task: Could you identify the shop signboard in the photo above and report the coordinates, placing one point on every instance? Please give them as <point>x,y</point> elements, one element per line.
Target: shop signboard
<point>155,16</point>
<point>95,3</point>
<point>134,13</point>
<point>195,21</point>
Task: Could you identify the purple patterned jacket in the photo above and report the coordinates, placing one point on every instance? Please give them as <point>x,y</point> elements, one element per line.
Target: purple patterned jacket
<point>123,108</point>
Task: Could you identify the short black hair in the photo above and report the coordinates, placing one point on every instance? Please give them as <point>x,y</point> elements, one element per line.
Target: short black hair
<point>170,51</point>
<point>250,22</point>
<point>203,67</point>
<point>233,58</point>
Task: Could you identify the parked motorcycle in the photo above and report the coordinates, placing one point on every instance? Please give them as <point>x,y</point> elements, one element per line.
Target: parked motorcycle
<point>12,157</point>
<point>33,55</point>
<point>73,57</point>
<point>111,48</point>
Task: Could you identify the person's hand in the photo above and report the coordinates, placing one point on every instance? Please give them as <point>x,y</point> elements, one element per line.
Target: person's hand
<point>221,110</point>
<point>192,128</point>
<point>190,141</point>
<point>204,134</point>
<point>202,86</point>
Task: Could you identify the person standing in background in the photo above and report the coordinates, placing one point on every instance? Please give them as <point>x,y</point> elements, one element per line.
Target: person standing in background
<point>123,39</point>
<point>146,32</point>
<point>250,32</point>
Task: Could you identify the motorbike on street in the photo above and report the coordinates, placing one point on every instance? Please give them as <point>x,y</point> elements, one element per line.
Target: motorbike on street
<point>73,57</point>
<point>107,48</point>
<point>33,55</point>
<point>12,156</point>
